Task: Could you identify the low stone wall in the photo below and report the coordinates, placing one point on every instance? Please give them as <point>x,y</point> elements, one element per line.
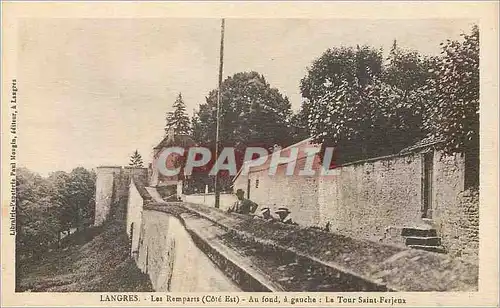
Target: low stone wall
<point>297,258</point>
<point>365,198</point>
<point>173,262</point>
<point>458,225</point>
<point>298,193</point>
<point>135,205</point>
<point>226,200</point>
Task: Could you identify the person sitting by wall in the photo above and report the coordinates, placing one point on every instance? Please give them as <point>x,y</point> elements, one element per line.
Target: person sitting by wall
<point>265,214</point>
<point>243,206</point>
<point>284,216</point>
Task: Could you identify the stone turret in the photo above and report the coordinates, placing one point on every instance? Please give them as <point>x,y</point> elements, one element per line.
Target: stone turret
<point>112,184</point>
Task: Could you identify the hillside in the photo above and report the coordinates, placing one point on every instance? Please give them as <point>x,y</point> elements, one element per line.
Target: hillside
<point>96,260</point>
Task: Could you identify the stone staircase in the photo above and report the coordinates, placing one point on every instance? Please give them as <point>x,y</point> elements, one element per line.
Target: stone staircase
<point>422,238</point>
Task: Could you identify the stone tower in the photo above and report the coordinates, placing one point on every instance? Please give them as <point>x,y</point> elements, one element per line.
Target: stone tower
<point>112,185</point>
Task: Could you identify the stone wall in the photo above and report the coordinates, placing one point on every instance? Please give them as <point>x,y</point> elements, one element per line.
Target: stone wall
<point>298,193</point>
<point>456,212</point>
<point>173,262</point>
<point>257,256</point>
<point>105,183</point>
<point>135,206</point>
<point>458,226</point>
<point>112,188</point>
<point>450,213</point>
<point>365,198</point>
<point>448,181</point>
<point>241,183</point>
<point>368,197</point>
<point>225,201</point>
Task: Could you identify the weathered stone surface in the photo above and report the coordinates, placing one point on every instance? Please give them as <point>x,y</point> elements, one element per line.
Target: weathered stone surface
<point>112,188</point>
<point>458,225</point>
<point>135,204</point>
<point>173,262</point>
<point>365,264</point>
<point>372,199</point>
<point>366,198</point>
<point>240,268</point>
<point>105,182</point>
<point>225,201</point>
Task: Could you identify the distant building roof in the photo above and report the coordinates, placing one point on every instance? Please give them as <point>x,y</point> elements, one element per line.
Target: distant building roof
<point>286,151</point>
<point>424,143</point>
<point>180,140</point>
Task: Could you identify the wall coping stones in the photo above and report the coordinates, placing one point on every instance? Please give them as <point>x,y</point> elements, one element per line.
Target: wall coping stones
<point>375,159</point>
<point>141,188</point>
<point>238,266</point>
<point>114,167</point>
<point>379,267</point>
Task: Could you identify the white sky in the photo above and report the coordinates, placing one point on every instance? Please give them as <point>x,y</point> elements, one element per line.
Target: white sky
<point>91,91</point>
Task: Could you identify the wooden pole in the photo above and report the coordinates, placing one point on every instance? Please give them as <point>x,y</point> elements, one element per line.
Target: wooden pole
<point>221,67</point>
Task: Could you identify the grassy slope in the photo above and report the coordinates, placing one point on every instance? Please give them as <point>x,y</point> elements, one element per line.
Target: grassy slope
<point>101,263</point>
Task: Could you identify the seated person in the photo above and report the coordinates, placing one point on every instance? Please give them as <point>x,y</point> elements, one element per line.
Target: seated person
<point>242,206</point>
<point>265,213</point>
<point>284,216</point>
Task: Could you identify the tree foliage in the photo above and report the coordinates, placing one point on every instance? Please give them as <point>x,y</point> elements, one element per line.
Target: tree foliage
<point>406,69</point>
<point>81,192</point>
<point>251,113</point>
<point>363,105</point>
<point>178,121</point>
<point>453,90</point>
<point>48,206</point>
<point>299,127</point>
<point>37,217</point>
<point>59,197</point>
<point>136,160</point>
<point>335,108</point>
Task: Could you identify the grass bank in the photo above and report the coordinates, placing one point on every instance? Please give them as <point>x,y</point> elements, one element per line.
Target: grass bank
<point>94,260</point>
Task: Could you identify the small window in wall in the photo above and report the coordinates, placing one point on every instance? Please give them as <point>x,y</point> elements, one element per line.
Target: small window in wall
<point>257,183</point>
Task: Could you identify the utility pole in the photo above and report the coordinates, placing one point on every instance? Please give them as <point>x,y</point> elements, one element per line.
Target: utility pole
<point>221,66</point>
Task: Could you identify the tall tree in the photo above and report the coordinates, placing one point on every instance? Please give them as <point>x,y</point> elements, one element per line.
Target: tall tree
<point>136,160</point>
<point>299,127</point>
<point>359,105</point>
<point>47,206</point>
<point>81,192</point>
<point>38,222</point>
<point>251,113</point>
<point>405,74</point>
<point>59,181</point>
<point>406,69</point>
<point>454,93</point>
<point>177,120</point>
<point>335,103</point>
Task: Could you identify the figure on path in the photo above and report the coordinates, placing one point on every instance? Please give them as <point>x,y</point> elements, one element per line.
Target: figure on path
<point>284,216</point>
<point>243,206</point>
<point>265,214</point>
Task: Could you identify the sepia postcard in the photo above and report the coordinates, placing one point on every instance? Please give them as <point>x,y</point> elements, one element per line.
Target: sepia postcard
<point>249,154</point>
